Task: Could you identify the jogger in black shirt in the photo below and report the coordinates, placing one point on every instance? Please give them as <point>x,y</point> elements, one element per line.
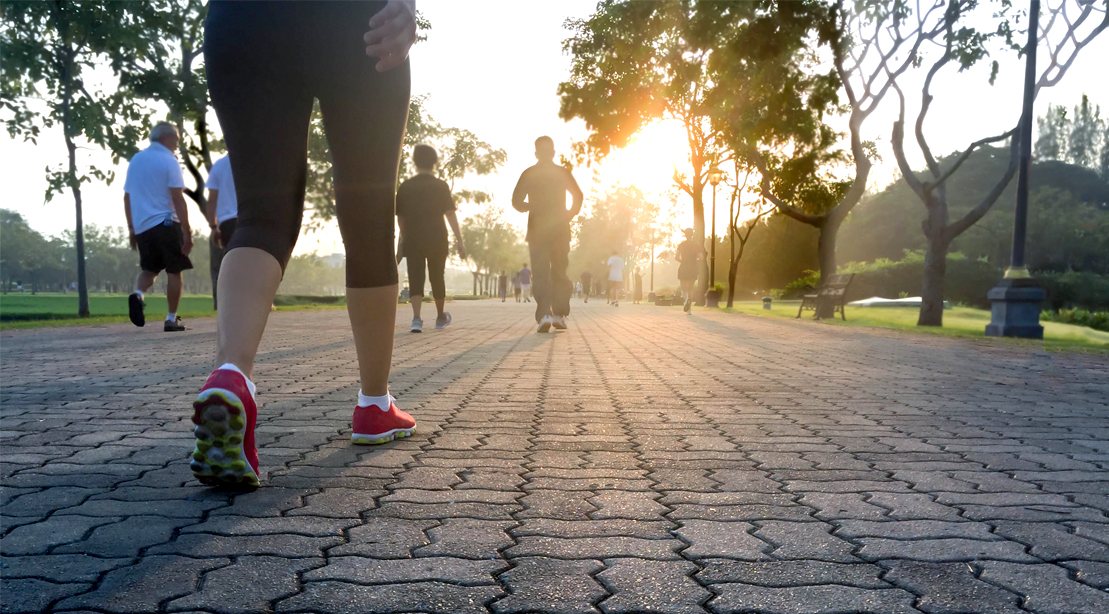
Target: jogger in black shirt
<point>541,192</point>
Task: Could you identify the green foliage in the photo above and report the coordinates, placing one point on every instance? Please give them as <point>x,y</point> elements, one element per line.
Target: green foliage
<point>1068,224</point>
<point>1097,320</point>
<point>1083,290</point>
<point>492,244</point>
<point>1085,134</point>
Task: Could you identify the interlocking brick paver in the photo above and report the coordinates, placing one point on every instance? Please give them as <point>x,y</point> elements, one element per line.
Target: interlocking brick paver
<point>650,586</point>
<point>142,587</point>
<point>537,584</point>
<point>643,460</point>
<point>1047,589</point>
<point>950,588</point>
<point>810,600</point>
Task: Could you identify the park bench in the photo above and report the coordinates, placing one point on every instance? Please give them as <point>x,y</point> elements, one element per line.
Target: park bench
<point>833,290</point>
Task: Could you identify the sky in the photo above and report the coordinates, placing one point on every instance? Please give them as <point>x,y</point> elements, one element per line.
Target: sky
<point>493,67</point>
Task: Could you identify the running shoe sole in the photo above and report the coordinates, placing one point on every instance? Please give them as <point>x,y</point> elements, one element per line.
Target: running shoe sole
<point>134,310</point>
<point>218,458</point>
<point>544,327</point>
<point>371,440</point>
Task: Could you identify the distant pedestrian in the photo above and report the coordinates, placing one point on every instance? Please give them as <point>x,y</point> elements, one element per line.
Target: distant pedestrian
<point>223,203</point>
<point>525,282</point>
<point>637,282</point>
<point>586,284</point>
<point>615,277</point>
<point>158,222</point>
<point>516,287</point>
<point>423,201</point>
<point>502,286</point>
<point>541,191</point>
<point>688,254</point>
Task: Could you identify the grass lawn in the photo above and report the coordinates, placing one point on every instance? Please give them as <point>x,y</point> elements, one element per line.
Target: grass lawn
<point>51,309</point>
<point>957,322</point>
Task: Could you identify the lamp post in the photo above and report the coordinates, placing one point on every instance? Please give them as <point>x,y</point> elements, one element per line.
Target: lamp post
<point>1016,299</point>
<point>712,298</point>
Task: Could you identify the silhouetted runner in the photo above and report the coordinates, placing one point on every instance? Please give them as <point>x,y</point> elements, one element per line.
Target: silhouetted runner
<point>586,285</point>
<point>541,192</point>
<point>423,200</point>
<point>688,254</point>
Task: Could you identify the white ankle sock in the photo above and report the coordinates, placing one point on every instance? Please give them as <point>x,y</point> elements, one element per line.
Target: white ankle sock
<point>172,317</point>
<point>139,292</point>
<point>249,384</point>
<point>383,402</point>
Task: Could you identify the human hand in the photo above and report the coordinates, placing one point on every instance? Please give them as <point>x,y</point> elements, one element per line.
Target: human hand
<point>392,33</point>
<point>461,250</point>
<point>133,240</point>
<point>217,237</point>
<point>186,240</point>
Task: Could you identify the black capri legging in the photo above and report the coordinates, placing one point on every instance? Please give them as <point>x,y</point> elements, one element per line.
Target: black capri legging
<point>266,62</point>
<point>436,266</point>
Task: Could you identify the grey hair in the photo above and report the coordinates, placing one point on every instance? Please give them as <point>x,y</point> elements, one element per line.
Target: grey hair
<point>161,130</point>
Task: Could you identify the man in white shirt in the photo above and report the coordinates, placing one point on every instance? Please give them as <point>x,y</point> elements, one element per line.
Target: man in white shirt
<point>223,206</point>
<point>615,277</point>
<point>158,221</point>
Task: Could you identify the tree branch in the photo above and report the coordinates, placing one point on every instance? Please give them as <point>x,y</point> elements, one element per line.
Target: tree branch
<point>956,228</point>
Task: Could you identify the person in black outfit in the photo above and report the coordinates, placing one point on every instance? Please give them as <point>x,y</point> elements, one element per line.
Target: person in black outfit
<point>586,284</point>
<point>688,254</point>
<point>541,192</point>
<point>422,202</point>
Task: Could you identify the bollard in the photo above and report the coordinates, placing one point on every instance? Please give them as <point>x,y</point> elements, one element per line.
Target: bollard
<point>766,300</point>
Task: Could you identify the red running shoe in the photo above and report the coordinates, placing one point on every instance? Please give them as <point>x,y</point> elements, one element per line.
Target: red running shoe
<point>225,415</point>
<point>373,426</point>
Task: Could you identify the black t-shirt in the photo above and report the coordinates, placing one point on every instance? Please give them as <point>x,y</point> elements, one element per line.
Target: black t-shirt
<point>422,201</point>
<point>544,186</point>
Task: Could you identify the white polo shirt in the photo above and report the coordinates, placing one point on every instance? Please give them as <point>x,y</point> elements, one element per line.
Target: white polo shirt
<point>219,178</point>
<point>150,175</point>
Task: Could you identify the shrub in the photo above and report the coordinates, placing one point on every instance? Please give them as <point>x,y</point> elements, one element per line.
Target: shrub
<point>1097,320</point>
<point>967,282</point>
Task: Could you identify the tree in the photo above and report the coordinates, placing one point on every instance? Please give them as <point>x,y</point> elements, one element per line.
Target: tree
<point>757,210</point>
<point>1053,132</point>
<point>171,73</point>
<point>492,245</point>
<point>964,46</point>
<point>618,221</point>
<point>47,48</point>
<point>1103,159</point>
<point>633,64</point>
<point>775,103</point>
<point>1082,146</point>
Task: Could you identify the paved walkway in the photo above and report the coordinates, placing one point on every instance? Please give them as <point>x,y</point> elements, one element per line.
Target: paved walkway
<point>643,461</point>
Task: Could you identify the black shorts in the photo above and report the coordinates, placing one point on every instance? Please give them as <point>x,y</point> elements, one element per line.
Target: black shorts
<point>160,249</point>
<point>227,230</point>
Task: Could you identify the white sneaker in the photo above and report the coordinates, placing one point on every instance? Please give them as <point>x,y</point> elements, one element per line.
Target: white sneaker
<point>417,325</point>
<point>559,322</point>
<point>545,324</point>
<point>443,322</point>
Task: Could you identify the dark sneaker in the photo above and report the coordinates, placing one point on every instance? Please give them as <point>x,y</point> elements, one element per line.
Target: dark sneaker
<point>225,415</point>
<point>372,425</point>
<point>175,326</point>
<point>443,321</point>
<point>135,304</point>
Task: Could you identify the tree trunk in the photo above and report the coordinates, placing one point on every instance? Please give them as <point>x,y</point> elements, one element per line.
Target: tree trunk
<point>826,255</point>
<point>699,236</point>
<point>935,269</point>
<point>474,273</point>
<point>79,236</point>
